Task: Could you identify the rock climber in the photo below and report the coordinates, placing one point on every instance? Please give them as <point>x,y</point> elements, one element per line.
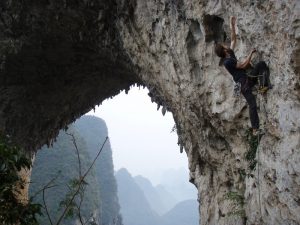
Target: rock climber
<point>238,71</point>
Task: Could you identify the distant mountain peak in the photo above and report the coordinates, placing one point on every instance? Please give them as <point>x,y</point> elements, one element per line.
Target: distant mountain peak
<point>123,171</point>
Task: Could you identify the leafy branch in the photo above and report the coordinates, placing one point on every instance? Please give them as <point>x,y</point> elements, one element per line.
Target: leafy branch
<point>77,152</point>
<point>12,210</point>
<point>239,201</point>
<point>77,187</point>
<point>250,155</point>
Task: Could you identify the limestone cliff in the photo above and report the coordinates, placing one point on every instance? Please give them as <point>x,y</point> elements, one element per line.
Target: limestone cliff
<point>59,59</point>
<point>172,41</point>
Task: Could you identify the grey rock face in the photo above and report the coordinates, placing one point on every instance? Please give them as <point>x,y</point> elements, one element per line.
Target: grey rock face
<point>170,45</point>
<point>173,44</point>
<point>58,60</point>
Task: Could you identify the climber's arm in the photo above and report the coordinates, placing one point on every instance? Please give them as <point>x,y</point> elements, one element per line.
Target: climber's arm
<point>233,33</point>
<point>247,61</point>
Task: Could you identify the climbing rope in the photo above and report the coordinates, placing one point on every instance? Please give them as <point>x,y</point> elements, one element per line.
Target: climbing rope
<point>261,99</point>
<point>258,175</point>
<point>262,108</point>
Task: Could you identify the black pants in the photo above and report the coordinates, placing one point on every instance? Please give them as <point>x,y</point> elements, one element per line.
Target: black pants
<point>247,84</point>
<point>246,90</point>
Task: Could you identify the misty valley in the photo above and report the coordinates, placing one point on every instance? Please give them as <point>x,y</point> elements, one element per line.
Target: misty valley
<point>67,193</point>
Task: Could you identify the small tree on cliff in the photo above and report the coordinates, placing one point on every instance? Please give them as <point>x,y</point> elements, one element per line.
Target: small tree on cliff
<point>12,210</point>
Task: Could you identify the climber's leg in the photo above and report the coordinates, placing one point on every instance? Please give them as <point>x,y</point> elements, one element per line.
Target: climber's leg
<point>250,98</point>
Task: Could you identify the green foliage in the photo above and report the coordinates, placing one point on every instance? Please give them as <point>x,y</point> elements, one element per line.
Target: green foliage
<point>12,160</point>
<point>238,213</point>
<point>73,198</point>
<point>240,201</point>
<point>235,196</point>
<point>100,195</point>
<point>250,155</point>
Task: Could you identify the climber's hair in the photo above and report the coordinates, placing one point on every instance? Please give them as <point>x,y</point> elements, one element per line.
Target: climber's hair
<point>220,50</point>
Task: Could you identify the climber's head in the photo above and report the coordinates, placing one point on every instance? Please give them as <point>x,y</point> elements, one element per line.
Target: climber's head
<point>221,50</point>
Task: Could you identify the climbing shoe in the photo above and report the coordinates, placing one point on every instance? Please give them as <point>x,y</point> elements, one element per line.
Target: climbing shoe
<point>263,89</point>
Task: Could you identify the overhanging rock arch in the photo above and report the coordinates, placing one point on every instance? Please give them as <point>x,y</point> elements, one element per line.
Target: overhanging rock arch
<point>59,59</point>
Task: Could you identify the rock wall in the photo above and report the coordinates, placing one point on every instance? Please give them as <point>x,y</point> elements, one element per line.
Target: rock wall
<point>58,60</point>
<point>173,44</point>
<point>169,44</point>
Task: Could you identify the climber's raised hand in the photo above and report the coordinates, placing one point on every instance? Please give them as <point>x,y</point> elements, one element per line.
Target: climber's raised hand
<point>232,21</point>
<point>233,34</point>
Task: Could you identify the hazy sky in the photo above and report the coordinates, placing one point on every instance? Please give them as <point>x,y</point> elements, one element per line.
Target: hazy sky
<point>140,136</point>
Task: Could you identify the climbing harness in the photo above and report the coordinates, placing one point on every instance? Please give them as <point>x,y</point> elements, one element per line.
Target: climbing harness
<point>263,83</point>
<point>262,87</point>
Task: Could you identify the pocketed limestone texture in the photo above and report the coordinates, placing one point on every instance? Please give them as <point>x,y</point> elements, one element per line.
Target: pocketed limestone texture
<point>61,58</point>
